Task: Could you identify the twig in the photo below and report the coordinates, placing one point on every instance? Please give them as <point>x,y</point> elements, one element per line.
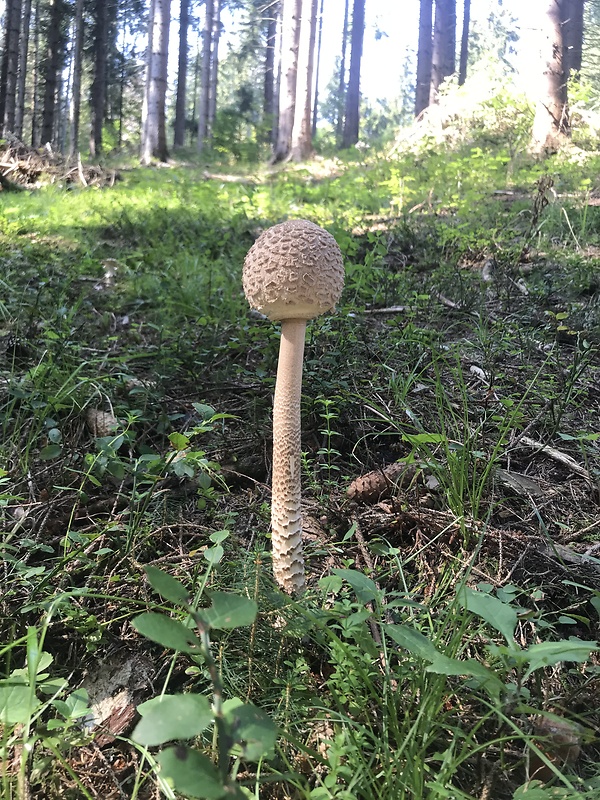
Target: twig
<point>557,455</point>
<point>446,301</point>
<point>488,785</point>
<point>579,534</point>
<point>389,310</point>
<point>110,771</point>
<point>80,170</point>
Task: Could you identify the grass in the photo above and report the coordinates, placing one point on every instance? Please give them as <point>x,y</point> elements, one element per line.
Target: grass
<point>446,645</point>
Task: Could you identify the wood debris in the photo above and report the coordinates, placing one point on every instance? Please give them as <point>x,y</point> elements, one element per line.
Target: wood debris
<point>22,167</point>
<point>114,689</point>
<point>557,455</point>
<point>381,483</point>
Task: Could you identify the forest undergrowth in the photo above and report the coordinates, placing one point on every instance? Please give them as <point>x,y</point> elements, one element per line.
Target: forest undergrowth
<point>446,646</point>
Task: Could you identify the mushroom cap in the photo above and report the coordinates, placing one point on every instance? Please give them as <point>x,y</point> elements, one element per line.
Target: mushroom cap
<point>294,270</point>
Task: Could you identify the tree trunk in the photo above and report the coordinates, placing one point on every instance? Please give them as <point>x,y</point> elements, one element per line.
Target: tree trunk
<point>424,56</point>
<point>443,60</point>
<point>195,94</point>
<point>204,101</point>
<point>76,90</point>
<point>145,143</point>
<point>154,130</point>
<point>214,67</point>
<point>180,102</point>
<point>35,122</point>
<point>352,108</point>
<point>315,112</point>
<point>98,90</point>
<point>21,82</point>
<point>51,69</point>
<point>11,58</point>
<point>339,124</point>
<point>572,15</point>
<point>62,108</point>
<point>551,126</point>
<point>301,144</point>
<point>269,78</point>
<point>290,39</point>
<point>464,43</point>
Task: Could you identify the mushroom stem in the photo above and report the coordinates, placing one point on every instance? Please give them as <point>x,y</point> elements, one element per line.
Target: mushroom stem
<point>286,520</point>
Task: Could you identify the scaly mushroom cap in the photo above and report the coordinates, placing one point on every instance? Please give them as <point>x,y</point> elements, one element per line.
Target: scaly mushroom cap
<point>294,270</point>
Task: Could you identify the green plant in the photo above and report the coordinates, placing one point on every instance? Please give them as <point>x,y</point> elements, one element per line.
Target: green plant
<point>427,659</point>
<point>241,732</point>
<point>37,708</point>
<point>327,453</point>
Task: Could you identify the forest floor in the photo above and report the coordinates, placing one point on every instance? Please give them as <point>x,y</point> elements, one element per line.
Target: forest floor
<point>451,471</point>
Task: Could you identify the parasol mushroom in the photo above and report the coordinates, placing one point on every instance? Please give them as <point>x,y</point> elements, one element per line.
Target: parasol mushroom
<point>292,273</point>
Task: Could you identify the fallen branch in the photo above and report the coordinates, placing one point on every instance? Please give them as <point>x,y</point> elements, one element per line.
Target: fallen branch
<point>557,455</point>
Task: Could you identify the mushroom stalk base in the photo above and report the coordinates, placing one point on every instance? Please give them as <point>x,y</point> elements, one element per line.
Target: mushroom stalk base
<point>286,520</point>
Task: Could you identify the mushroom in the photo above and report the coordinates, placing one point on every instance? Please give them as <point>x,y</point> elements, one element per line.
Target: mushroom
<point>292,273</point>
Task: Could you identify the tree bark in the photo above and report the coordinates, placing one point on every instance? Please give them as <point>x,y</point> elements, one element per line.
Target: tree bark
<point>290,39</point>
<point>154,133</point>
<point>21,82</point>
<point>76,86</point>
<point>214,67</point>
<point>269,77</point>
<point>35,121</point>
<point>339,125</point>
<point>11,59</point>
<point>204,101</point>
<point>301,143</point>
<point>315,112</point>
<point>572,15</point>
<point>443,62</point>
<point>464,43</point>
<point>51,69</point>
<point>180,102</point>
<point>424,56</point>
<point>551,127</point>
<point>352,107</point>
<point>98,89</point>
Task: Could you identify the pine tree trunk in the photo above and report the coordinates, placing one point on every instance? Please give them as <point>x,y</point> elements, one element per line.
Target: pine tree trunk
<point>572,15</point>
<point>195,94</point>
<point>13,26</point>
<point>443,62</point>
<point>424,56</point>
<point>154,128</point>
<point>301,143</point>
<point>98,90</point>
<point>339,123</point>
<point>352,108</point>
<point>122,80</point>
<point>51,69</point>
<point>35,115</point>
<point>214,67</point>
<point>269,78</point>
<point>76,90</point>
<point>464,43</point>
<point>180,102</point>
<point>315,112</point>
<point>551,127</point>
<point>204,101</point>
<point>62,108</point>
<point>21,81</point>
<point>290,39</point>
